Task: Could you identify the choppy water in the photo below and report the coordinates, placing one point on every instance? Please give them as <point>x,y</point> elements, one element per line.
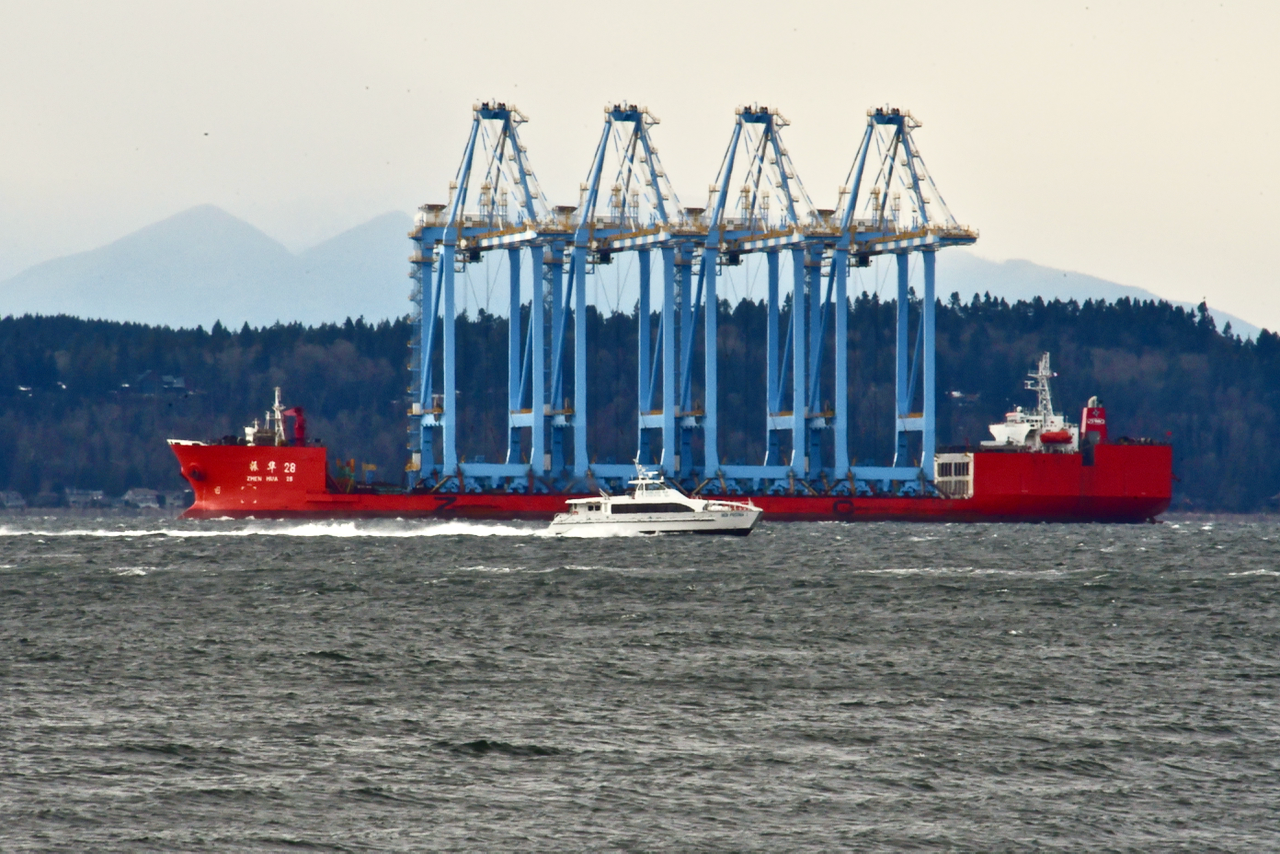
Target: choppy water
<point>378,686</point>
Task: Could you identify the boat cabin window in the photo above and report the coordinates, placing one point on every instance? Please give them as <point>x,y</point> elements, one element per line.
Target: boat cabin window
<point>654,507</point>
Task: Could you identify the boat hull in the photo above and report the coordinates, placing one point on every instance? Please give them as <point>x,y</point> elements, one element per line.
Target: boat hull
<point>655,527</point>
<point>1123,483</point>
<point>735,522</point>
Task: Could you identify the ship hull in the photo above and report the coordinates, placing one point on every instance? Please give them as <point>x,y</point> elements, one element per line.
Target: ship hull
<point>1121,483</point>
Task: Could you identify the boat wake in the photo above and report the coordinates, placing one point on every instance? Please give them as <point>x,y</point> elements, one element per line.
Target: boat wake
<point>394,529</point>
<point>587,534</point>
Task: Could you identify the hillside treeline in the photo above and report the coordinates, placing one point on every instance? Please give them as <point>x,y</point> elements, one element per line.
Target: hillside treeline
<point>88,404</point>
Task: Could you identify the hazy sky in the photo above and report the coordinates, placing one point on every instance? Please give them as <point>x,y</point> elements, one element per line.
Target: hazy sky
<point>1132,141</point>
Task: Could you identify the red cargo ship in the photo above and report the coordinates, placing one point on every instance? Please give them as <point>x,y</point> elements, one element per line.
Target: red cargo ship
<point>1037,468</point>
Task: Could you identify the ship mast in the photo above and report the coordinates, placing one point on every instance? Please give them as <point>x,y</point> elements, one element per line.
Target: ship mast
<point>1039,383</point>
<point>276,415</point>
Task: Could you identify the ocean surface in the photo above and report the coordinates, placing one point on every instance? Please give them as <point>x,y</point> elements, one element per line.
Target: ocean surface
<point>453,686</point>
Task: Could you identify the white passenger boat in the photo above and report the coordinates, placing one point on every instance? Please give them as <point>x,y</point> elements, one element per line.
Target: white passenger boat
<point>652,507</point>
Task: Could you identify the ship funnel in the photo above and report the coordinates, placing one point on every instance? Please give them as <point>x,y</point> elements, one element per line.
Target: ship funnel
<point>1093,423</point>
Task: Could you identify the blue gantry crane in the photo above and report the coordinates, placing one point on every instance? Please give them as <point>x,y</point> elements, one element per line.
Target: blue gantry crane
<point>886,227</point>
<point>506,211</point>
<point>795,226</point>
<point>644,214</point>
<point>760,208</point>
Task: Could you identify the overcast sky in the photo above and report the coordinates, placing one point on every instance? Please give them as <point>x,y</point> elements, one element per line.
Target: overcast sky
<point>1132,141</point>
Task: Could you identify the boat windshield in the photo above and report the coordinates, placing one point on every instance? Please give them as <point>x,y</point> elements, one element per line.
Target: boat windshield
<point>652,507</point>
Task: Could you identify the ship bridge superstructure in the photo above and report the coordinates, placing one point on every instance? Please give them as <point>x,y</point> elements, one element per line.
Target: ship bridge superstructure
<point>756,206</point>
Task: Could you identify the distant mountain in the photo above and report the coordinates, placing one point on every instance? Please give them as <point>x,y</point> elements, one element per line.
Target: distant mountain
<point>363,271</point>
<point>967,274</point>
<point>204,264</point>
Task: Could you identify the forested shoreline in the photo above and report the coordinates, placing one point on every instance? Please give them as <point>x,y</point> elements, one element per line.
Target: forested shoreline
<point>88,404</point>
